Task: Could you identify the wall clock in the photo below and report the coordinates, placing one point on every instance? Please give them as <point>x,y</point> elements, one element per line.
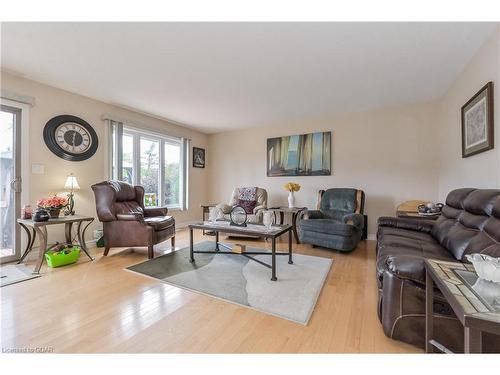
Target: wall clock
<point>70,138</point>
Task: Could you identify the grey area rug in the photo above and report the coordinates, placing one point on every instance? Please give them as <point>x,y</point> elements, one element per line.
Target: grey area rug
<point>15,273</point>
<point>239,280</point>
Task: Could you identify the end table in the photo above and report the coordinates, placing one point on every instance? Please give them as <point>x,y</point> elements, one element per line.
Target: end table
<point>40,228</point>
<point>456,282</point>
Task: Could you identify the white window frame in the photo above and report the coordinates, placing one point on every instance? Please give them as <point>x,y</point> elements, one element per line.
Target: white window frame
<point>138,134</point>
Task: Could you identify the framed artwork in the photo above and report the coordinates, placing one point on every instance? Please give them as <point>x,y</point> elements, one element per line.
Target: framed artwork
<point>477,122</point>
<point>198,157</point>
<point>300,155</point>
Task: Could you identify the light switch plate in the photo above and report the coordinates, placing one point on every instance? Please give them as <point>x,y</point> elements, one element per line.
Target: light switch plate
<point>37,168</point>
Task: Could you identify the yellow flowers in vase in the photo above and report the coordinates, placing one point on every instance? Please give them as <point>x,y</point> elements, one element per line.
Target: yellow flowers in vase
<point>291,187</point>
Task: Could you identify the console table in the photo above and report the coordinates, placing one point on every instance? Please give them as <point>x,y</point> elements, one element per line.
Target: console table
<point>40,228</point>
<point>476,313</point>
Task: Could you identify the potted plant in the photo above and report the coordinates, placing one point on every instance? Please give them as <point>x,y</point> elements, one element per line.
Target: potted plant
<point>291,187</point>
<point>53,205</point>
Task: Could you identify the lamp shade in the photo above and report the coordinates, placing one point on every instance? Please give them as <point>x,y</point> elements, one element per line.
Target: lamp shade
<point>71,183</point>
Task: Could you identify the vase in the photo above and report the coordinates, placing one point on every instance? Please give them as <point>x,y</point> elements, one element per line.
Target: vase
<point>291,200</point>
<point>54,213</point>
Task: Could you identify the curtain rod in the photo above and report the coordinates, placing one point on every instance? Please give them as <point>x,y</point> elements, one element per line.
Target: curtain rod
<point>24,99</point>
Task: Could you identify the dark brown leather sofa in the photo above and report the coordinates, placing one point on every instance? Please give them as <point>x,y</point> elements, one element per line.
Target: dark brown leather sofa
<point>127,223</point>
<point>470,223</point>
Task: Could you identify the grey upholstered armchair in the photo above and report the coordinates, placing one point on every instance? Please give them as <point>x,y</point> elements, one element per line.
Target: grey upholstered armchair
<point>337,223</point>
<point>253,200</point>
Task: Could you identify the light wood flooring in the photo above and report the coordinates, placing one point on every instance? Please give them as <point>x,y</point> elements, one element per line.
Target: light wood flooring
<point>99,307</point>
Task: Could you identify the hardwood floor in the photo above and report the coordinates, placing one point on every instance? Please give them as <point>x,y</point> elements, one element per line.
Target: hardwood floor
<point>99,307</point>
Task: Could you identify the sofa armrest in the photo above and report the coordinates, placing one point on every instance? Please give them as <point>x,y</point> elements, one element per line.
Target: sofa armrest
<point>403,223</point>
<point>155,211</point>
<point>224,208</point>
<point>407,267</point>
<point>132,216</point>
<point>357,220</point>
<point>311,214</point>
<point>259,208</point>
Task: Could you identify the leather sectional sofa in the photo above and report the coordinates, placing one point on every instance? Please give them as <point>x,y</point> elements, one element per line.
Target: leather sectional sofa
<point>469,223</point>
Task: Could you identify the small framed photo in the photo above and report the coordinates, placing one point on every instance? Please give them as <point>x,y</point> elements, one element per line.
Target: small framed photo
<point>477,122</point>
<point>198,157</point>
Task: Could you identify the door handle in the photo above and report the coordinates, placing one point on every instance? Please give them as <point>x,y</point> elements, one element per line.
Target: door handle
<point>15,185</point>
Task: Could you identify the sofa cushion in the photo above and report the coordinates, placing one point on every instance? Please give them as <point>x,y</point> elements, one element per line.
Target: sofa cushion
<point>328,226</point>
<point>160,222</point>
<point>402,252</point>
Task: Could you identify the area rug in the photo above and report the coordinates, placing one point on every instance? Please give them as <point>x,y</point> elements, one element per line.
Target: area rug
<point>15,273</point>
<point>237,279</point>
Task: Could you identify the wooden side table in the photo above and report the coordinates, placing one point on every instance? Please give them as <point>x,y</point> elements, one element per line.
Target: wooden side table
<point>205,210</point>
<point>409,210</point>
<point>40,228</point>
<point>476,313</point>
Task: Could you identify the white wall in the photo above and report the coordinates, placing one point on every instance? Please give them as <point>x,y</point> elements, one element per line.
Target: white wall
<point>481,170</point>
<point>389,153</point>
<point>51,102</point>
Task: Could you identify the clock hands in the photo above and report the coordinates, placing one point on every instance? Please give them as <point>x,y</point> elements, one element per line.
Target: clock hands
<point>73,141</point>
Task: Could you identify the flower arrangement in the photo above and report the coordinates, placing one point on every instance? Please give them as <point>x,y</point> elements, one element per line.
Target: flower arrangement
<point>292,187</point>
<point>52,202</point>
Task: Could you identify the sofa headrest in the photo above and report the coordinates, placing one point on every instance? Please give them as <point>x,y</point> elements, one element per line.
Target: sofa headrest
<point>481,201</point>
<point>124,191</point>
<point>456,197</point>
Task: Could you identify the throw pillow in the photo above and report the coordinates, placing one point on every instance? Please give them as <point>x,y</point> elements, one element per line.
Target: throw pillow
<point>248,206</point>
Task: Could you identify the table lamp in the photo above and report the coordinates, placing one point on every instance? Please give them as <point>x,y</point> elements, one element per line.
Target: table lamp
<point>72,184</point>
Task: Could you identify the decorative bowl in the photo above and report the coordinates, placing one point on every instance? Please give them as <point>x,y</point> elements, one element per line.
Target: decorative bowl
<point>487,267</point>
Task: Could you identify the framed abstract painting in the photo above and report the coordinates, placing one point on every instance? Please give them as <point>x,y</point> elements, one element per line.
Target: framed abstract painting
<point>300,155</point>
<point>477,122</point>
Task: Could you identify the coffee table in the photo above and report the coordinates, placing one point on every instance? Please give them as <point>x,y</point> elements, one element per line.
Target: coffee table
<point>224,226</point>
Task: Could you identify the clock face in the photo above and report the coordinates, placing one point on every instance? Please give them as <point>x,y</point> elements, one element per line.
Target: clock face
<point>73,138</point>
<point>70,138</point>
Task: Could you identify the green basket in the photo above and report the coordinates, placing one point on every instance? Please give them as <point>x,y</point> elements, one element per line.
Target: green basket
<point>61,258</point>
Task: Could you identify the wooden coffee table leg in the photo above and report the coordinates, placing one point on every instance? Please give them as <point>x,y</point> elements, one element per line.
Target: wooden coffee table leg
<point>191,255</point>
<point>273,256</point>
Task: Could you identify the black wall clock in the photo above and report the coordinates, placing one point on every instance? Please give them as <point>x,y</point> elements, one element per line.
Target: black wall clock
<point>70,138</point>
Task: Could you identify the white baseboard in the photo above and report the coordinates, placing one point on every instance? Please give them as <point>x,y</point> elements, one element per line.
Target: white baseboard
<point>372,236</point>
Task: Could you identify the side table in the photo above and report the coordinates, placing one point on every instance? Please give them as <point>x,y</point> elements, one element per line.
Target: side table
<point>295,211</point>
<point>205,210</point>
<point>477,313</point>
<point>40,228</point>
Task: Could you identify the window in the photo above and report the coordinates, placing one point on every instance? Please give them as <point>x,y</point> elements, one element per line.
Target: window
<point>156,162</point>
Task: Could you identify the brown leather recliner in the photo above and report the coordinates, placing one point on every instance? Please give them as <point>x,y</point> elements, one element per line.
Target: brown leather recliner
<point>469,223</point>
<point>127,223</point>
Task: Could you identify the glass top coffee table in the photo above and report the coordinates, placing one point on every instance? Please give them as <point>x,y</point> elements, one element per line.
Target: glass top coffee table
<point>224,226</point>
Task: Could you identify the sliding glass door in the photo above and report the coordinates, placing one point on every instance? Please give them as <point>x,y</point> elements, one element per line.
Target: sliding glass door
<point>10,182</point>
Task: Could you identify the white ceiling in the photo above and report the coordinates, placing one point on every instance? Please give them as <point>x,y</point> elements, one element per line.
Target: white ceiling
<point>224,76</point>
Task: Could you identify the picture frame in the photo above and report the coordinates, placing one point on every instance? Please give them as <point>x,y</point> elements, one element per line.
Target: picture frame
<point>198,157</point>
<point>300,155</point>
<point>477,122</point>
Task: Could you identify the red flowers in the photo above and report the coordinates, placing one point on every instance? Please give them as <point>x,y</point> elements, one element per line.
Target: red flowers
<point>52,202</point>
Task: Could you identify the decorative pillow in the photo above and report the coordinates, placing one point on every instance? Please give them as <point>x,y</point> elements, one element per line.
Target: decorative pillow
<point>248,206</point>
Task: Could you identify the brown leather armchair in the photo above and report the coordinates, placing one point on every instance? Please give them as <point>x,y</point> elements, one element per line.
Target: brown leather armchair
<point>127,223</point>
